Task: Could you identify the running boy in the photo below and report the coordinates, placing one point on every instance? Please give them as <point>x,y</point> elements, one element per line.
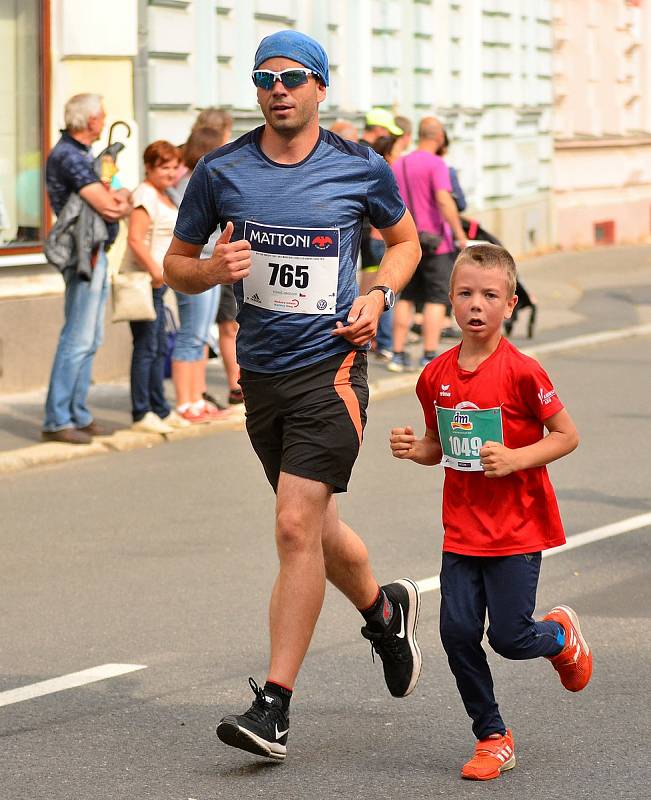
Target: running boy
<point>485,405</point>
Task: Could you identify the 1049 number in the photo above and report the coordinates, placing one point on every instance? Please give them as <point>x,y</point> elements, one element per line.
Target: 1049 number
<point>465,447</point>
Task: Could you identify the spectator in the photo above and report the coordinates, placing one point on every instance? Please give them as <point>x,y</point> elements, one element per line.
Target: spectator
<point>403,143</point>
<point>449,330</point>
<point>227,309</point>
<point>217,119</point>
<point>345,129</point>
<point>197,312</point>
<point>384,145</point>
<point>424,183</point>
<point>210,117</point>
<point>228,327</point>
<point>150,231</point>
<point>379,125</point>
<point>379,122</point>
<point>70,174</point>
<point>376,248</point>
<point>457,191</point>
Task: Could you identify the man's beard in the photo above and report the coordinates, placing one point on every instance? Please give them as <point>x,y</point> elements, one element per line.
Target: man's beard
<point>288,128</point>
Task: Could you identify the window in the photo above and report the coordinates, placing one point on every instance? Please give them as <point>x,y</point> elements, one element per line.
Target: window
<point>604,232</point>
<point>22,29</point>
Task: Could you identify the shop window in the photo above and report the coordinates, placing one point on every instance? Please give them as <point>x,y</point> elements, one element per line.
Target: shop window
<point>21,124</point>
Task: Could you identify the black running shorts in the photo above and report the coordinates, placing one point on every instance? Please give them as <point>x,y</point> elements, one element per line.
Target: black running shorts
<point>227,310</point>
<point>431,281</point>
<point>308,422</point>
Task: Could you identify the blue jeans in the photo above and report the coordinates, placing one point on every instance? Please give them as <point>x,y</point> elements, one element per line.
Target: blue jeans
<point>197,312</point>
<point>148,363</point>
<point>384,335</point>
<point>505,586</point>
<point>80,337</point>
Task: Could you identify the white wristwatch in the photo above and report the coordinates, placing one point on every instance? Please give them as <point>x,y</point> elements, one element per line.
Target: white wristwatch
<point>389,295</point>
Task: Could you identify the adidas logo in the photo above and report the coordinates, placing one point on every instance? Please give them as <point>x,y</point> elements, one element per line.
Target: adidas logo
<point>255,298</point>
<point>505,754</point>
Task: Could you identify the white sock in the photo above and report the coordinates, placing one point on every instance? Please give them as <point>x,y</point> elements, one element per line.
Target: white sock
<point>183,408</point>
<point>199,406</point>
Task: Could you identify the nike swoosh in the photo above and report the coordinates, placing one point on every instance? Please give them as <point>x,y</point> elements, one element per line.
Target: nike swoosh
<point>280,734</point>
<point>401,633</point>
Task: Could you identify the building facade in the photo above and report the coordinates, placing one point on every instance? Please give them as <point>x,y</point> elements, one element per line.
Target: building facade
<point>487,68</point>
<point>602,121</point>
<point>483,66</point>
<point>50,50</point>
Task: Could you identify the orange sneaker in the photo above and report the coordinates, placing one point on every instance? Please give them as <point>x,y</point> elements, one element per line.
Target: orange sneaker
<point>492,756</point>
<point>574,662</point>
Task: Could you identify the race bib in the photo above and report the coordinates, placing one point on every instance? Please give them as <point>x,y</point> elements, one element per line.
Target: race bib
<point>293,270</point>
<point>463,432</point>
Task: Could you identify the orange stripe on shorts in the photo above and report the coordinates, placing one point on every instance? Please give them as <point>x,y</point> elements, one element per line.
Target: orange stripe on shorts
<point>345,391</point>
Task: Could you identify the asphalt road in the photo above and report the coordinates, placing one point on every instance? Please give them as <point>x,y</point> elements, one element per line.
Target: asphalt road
<point>165,558</point>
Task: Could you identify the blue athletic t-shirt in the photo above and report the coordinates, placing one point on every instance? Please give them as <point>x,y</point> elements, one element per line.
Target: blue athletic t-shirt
<point>304,223</point>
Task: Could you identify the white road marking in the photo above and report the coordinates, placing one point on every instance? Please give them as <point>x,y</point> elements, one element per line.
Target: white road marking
<point>578,540</point>
<point>432,584</point>
<point>70,681</point>
<point>588,340</point>
<point>105,671</point>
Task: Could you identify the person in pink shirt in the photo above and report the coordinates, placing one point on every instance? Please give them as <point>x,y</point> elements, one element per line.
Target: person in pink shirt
<point>424,182</point>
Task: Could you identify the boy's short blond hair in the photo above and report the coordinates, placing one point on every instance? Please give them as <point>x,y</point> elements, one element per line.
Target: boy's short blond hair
<point>488,256</point>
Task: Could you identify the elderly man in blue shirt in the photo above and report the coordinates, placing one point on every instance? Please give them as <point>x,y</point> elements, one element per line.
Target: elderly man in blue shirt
<point>70,170</point>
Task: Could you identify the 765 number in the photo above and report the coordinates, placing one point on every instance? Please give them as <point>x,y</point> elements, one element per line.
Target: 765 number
<point>289,275</point>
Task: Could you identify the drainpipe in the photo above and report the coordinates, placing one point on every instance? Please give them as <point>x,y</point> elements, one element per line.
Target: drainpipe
<point>141,74</point>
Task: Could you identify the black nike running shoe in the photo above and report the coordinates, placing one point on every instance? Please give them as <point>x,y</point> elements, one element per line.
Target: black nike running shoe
<point>396,644</point>
<point>261,730</point>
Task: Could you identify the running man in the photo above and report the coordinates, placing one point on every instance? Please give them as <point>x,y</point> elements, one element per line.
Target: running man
<point>290,198</point>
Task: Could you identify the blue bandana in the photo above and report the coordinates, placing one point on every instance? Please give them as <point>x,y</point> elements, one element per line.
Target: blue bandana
<point>296,46</point>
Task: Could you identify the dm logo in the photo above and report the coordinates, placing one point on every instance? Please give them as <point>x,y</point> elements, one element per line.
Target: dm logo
<point>322,242</point>
<point>461,422</point>
<point>321,305</point>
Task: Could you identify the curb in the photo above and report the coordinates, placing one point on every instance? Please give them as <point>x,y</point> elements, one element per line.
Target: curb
<point>124,440</point>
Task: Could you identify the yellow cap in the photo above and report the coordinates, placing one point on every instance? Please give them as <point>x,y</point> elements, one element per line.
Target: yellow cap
<point>383,119</point>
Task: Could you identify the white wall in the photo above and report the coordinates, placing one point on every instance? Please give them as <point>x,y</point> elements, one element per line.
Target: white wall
<point>483,66</point>
<point>602,120</point>
<point>100,62</point>
<point>97,28</point>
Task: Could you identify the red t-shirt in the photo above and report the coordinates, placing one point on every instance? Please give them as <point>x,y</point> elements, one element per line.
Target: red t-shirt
<point>496,516</point>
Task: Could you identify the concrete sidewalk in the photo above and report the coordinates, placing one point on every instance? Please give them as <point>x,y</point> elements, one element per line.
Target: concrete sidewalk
<point>577,293</point>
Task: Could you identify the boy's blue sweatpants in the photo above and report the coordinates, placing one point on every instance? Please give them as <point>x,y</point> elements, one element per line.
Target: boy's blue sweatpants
<point>505,586</point>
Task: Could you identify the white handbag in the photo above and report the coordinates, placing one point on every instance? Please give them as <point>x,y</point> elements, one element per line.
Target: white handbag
<point>131,292</point>
<point>132,297</point>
